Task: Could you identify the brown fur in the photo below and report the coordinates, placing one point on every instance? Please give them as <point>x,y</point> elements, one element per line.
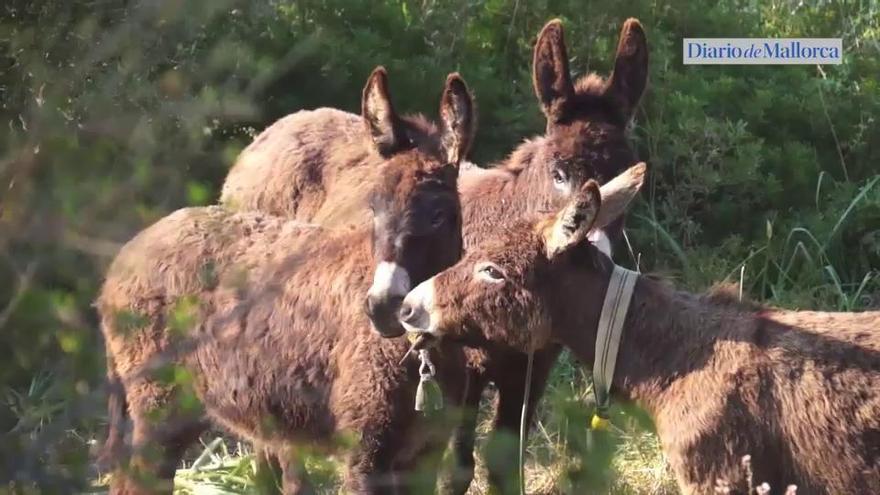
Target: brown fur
<point>799,391</point>
<point>265,316</point>
<point>279,350</point>
<point>309,163</point>
<point>319,157</point>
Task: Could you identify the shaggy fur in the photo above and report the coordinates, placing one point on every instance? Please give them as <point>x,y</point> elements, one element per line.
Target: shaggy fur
<point>799,391</point>
<point>323,164</point>
<point>278,350</point>
<point>304,166</point>
<point>263,320</point>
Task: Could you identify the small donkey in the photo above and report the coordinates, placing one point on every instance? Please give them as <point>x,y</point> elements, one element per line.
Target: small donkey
<point>799,391</point>
<point>294,168</point>
<point>263,315</point>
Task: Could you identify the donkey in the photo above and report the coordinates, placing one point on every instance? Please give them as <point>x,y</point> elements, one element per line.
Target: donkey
<point>292,169</point>
<point>799,391</point>
<point>263,315</point>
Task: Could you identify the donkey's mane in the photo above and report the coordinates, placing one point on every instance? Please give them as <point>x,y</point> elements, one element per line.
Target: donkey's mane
<point>521,157</point>
<point>591,84</point>
<point>727,294</point>
<point>421,125</point>
<point>721,294</point>
<point>591,96</point>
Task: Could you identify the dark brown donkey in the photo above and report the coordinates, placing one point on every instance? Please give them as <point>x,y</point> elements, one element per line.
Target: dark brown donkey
<point>265,317</point>
<point>799,391</point>
<point>292,169</point>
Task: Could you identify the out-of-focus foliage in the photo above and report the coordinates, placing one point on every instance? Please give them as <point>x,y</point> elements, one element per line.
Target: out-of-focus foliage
<point>116,112</point>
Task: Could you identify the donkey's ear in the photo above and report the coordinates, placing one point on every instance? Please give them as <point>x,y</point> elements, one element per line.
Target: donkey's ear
<point>618,193</point>
<point>575,221</point>
<point>457,119</point>
<point>550,73</point>
<point>630,76</point>
<point>378,113</point>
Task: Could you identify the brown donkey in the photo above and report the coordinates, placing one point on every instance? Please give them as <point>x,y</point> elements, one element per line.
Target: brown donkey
<point>293,168</point>
<point>799,391</point>
<point>263,318</point>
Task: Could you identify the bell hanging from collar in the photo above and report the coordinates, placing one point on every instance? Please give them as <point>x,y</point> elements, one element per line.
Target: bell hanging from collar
<point>429,397</point>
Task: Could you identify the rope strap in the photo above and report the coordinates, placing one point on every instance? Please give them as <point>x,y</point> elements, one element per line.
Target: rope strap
<point>617,299</point>
<point>523,424</point>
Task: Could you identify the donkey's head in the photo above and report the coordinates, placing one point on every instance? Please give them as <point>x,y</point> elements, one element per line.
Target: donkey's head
<point>416,211</point>
<point>587,119</point>
<point>521,287</point>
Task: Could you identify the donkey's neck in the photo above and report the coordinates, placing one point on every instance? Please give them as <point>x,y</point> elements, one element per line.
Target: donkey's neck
<point>668,334</point>
<point>508,191</point>
<point>339,262</point>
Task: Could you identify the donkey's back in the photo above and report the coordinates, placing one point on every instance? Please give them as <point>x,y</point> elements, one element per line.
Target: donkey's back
<point>799,391</point>
<point>259,309</point>
<point>297,162</point>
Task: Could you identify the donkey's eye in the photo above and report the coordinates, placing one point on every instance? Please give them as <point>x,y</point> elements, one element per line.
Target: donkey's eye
<point>489,272</point>
<point>438,217</point>
<point>559,177</point>
<point>374,201</point>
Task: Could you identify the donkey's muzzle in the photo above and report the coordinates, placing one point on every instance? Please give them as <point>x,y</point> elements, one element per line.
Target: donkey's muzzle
<point>414,317</point>
<point>382,312</point>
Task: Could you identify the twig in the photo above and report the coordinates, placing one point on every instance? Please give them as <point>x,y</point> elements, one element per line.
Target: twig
<point>93,246</point>
<point>831,125</point>
<point>510,27</point>
<point>24,282</point>
<point>544,432</point>
<point>636,259</point>
<point>206,454</point>
<point>747,467</point>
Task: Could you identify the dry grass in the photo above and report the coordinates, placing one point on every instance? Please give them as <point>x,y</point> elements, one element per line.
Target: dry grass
<point>640,466</point>
<point>223,466</point>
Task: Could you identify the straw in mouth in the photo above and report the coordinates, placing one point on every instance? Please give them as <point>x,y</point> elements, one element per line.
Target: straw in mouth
<point>419,342</point>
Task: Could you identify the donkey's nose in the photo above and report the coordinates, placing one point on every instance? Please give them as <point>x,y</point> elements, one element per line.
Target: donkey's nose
<point>370,306</point>
<point>407,312</point>
<point>382,312</point>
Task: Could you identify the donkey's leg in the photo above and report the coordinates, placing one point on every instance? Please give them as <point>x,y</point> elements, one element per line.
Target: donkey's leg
<point>502,467</point>
<point>457,480</point>
<point>161,433</point>
<point>386,427</point>
<point>370,466</point>
<point>295,478</point>
<point>417,474</point>
<point>268,475</point>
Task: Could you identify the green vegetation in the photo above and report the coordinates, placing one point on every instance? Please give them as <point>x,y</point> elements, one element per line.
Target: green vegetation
<point>116,112</point>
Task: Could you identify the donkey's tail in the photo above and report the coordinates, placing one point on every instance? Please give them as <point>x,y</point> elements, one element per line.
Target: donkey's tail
<point>113,447</point>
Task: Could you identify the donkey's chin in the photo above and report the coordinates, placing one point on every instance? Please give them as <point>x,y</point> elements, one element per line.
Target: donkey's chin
<point>382,311</point>
<point>421,327</point>
<point>388,329</point>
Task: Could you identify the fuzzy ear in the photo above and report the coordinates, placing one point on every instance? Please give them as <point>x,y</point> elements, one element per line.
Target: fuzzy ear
<point>618,193</point>
<point>378,113</point>
<point>575,221</point>
<point>550,74</point>
<point>630,76</point>
<point>457,119</point>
